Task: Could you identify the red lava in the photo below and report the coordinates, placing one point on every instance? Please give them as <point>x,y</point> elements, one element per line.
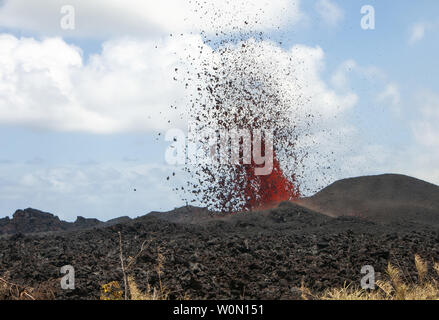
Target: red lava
<point>262,192</point>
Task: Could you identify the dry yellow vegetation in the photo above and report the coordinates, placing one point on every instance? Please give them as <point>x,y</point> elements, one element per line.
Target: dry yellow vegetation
<point>13,291</point>
<point>394,288</point>
<point>113,290</point>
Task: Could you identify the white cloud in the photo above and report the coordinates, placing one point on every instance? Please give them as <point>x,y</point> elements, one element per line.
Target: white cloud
<point>342,77</point>
<point>392,95</point>
<point>425,126</point>
<point>385,91</point>
<point>410,142</point>
<point>149,17</point>
<point>101,191</point>
<point>417,32</point>
<point>329,12</point>
<point>414,152</point>
<point>129,86</point>
<point>308,64</point>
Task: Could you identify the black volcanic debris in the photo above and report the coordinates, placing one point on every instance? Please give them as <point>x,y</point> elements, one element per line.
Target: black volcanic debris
<point>31,220</point>
<point>252,255</point>
<point>257,255</point>
<point>35,221</point>
<point>241,90</point>
<point>238,79</point>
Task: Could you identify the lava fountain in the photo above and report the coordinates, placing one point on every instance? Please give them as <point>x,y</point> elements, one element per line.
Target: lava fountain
<point>246,85</point>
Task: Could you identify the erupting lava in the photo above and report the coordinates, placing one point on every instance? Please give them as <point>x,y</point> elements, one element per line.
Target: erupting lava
<point>264,191</point>
<point>246,85</point>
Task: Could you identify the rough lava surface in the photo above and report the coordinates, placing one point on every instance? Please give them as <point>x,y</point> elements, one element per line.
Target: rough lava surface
<point>254,255</point>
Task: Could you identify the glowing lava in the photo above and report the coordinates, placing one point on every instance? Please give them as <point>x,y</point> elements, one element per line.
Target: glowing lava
<point>262,192</point>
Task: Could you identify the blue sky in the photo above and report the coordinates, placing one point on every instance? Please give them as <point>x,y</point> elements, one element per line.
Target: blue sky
<point>79,125</point>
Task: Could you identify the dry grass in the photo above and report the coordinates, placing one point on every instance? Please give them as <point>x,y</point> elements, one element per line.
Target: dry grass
<point>394,288</point>
<point>151,293</point>
<point>113,290</point>
<point>13,291</point>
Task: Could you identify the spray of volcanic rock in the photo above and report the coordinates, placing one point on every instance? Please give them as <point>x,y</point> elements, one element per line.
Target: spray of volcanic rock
<point>246,120</point>
<point>245,90</point>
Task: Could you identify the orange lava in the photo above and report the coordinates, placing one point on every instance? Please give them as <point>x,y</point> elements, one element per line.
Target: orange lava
<point>262,192</point>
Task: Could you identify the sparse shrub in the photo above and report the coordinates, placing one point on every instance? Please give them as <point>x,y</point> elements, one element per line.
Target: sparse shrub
<point>13,291</point>
<point>151,293</point>
<point>394,288</point>
<point>113,290</point>
<point>421,267</point>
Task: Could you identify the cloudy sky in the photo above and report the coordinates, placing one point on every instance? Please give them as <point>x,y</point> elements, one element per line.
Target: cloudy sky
<point>84,106</point>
